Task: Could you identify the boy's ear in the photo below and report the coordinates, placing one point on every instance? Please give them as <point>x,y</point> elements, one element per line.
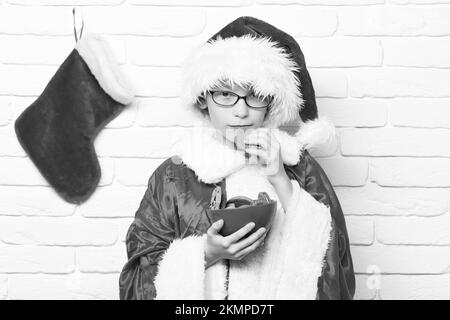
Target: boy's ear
<point>202,103</point>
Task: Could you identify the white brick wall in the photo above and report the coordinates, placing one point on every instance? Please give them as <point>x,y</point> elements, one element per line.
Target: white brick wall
<point>381,73</point>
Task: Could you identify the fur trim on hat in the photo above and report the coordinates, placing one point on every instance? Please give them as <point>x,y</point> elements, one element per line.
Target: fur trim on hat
<point>98,56</point>
<point>246,60</point>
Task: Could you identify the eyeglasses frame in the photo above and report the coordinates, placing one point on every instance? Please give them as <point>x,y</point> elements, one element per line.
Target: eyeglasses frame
<point>239,98</point>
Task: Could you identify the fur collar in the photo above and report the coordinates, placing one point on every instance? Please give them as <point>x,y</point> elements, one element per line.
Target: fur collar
<point>212,160</point>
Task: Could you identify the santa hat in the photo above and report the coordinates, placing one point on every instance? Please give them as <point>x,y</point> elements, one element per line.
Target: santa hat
<point>251,51</point>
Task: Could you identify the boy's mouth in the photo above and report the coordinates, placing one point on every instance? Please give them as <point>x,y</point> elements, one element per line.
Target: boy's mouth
<point>240,126</point>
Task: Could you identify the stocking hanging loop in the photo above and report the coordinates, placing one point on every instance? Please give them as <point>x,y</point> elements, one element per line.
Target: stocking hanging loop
<point>75,27</point>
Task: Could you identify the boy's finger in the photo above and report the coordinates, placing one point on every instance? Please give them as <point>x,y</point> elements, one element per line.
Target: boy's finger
<point>261,140</point>
<point>259,153</point>
<point>242,253</point>
<point>250,240</point>
<point>216,226</point>
<point>234,237</point>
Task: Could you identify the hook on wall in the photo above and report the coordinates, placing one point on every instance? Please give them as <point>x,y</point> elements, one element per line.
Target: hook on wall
<point>74,25</point>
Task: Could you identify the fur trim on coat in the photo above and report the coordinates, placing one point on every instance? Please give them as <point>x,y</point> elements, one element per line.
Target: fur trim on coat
<point>196,148</point>
<point>286,267</point>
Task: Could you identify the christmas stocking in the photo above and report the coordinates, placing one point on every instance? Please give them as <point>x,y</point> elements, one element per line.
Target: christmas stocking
<point>58,130</point>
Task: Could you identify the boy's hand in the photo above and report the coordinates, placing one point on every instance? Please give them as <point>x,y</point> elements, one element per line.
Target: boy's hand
<point>262,144</point>
<point>231,247</point>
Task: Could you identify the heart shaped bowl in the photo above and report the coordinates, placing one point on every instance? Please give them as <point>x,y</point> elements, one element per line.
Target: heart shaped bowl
<point>235,218</point>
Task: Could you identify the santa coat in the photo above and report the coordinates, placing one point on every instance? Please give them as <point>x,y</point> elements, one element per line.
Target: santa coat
<point>306,253</point>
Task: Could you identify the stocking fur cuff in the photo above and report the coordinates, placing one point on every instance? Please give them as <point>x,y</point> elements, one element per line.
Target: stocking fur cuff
<point>99,57</point>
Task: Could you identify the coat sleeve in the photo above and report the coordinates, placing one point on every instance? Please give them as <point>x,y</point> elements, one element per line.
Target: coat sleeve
<point>159,263</point>
<point>337,280</point>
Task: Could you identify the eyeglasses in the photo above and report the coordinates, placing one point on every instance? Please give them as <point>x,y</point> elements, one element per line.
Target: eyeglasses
<point>229,99</point>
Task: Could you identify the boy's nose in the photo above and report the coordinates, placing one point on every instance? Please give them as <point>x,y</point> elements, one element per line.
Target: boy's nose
<point>240,109</point>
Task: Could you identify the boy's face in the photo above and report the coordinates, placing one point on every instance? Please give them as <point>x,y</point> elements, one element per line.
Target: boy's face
<point>233,118</point>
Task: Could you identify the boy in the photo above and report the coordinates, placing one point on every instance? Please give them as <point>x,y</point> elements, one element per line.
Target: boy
<point>252,78</point>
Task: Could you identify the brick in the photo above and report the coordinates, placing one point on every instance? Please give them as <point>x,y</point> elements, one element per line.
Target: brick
<point>67,231</point>
<point>398,259</point>
<point>411,172</point>
<point>354,112</point>
<point>155,81</point>
<point>10,143</point>
<point>345,172</point>
<point>19,171</point>
<point>102,259</point>
<point>360,230</point>
<point>410,52</point>
<point>395,142</point>
<point>22,171</point>
<point>3,287</point>
<point>323,2</point>
<point>64,287</point>
<point>424,113</point>
<point>40,20</point>
<point>163,112</point>
<point>297,21</point>
<point>160,51</point>
<point>34,50</point>
<point>414,230</point>
<point>19,104</point>
<point>25,80</point>
<point>341,52</point>
<point>72,2</point>
<point>153,21</point>
<point>40,286</point>
<point>124,225</point>
<point>136,172</point>
<point>113,202</point>
<point>143,143</point>
<point>364,289</point>
<point>5,111</point>
<point>98,287</point>
<point>203,3</point>
<point>125,119</point>
<point>394,21</point>
<point>375,200</point>
<point>398,82</point>
<point>27,201</point>
<point>34,259</point>
<point>329,84</point>
<point>419,1</point>
<point>107,171</point>
<point>415,287</point>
